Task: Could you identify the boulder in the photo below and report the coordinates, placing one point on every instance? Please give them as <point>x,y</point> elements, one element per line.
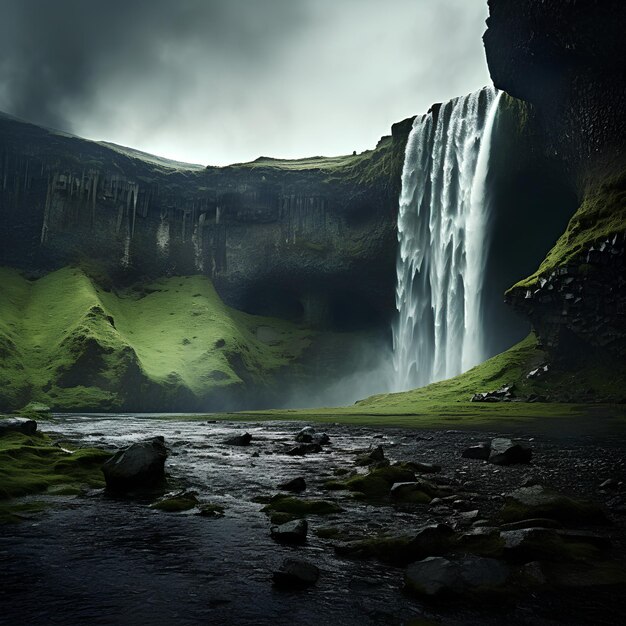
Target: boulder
<point>308,435</point>
<point>295,484</point>
<point>437,576</point>
<point>141,465</point>
<point>239,440</point>
<point>371,457</point>
<point>539,501</point>
<point>480,452</point>
<point>294,532</point>
<point>305,448</point>
<point>18,425</point>
<point>177,502</point>
<point>506,452</point>
<point>417,492</point>
<point>296,573</point>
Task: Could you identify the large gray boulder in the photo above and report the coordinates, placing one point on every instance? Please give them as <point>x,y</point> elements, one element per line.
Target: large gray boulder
<point>17,425</point>
<point>506,452</point>
<point>140,466</point>
<point>292,532</point>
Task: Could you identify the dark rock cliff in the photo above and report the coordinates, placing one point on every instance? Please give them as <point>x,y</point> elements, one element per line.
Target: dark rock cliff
<point>311,240</point>
<point>567,58</point>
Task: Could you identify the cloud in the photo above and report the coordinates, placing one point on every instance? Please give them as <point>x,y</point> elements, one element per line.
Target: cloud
<point>220,81</point>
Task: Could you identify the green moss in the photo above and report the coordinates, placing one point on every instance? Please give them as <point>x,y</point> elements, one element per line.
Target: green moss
<point>14,512</point>
<point>377,483</point>
<point>71,345</point>
<point>299,507</point>
<point>176,503</point>
<point>601,215</point>
<point>31,464</point>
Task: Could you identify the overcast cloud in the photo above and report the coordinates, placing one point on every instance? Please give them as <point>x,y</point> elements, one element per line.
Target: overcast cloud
<point>223,81</point>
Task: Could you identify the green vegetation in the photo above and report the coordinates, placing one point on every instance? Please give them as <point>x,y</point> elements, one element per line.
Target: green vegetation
<point>69,344</point>
<point>299,507</point>
<point>176,503</point>
<point>601,215</point>
<point>31,464</point>
<point>447,403</point>
<point>383,163</point>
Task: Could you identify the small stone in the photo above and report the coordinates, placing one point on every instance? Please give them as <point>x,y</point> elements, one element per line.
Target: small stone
<point>506,452</point>
<point>480,452</point>
<point>292,532</point>
<point>305,448</point>
<point>295,484</point>
<point>239,440</point>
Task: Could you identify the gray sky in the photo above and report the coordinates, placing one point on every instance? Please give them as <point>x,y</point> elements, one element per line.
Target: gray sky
<point>224,81</point>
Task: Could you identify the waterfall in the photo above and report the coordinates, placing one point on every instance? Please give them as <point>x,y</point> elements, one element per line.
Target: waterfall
<point>442,236</point>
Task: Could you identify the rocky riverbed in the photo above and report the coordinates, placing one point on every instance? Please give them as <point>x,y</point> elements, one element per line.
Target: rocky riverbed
<point>208,547</point>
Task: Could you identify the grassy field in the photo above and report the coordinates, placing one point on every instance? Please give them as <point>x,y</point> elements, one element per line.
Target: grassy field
<point>66,342</point>
<point>446,404</point>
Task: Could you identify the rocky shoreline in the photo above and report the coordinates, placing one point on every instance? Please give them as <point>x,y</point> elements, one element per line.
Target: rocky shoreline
<point>397,520</point>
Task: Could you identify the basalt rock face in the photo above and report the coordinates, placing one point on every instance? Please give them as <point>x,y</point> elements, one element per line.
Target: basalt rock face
<point>567,58</point>
<point>311,240</point>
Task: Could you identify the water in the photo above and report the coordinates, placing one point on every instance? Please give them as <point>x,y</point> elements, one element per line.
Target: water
<point>443,236</point>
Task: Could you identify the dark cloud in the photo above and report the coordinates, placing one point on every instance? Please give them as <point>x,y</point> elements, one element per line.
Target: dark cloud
<point>227,80</point>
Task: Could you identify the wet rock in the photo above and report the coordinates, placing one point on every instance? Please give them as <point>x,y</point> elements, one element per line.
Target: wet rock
<point>435,576</point>
<point>309,435</point>
<point>538,501</point>
<point>401,549</point>
<point>378,482</point>
<point>295,484</point>
<point>294,532</point>
<point>411,492</point>
<point>532,544</point>
<point>17,425</point>
<point>300,507</point>
<point>210,510</point>
<point>506,452</point>
<point>425,468</point>
<point>305,448</point>
<point>503,394</point>
<point>296,573</point>
<point>176,502</point>
<point>141,465</point>
<point>480,452</point>
<point>239,440</point>
<point>375,456</point>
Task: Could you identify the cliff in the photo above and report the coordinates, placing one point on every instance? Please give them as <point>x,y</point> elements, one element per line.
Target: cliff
<point>567,59</point>
<point>312,240</point>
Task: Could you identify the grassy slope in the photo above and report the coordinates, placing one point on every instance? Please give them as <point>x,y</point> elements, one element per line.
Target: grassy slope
<point>447,403</point>
<point>71,345</point>
<point>601,215</point>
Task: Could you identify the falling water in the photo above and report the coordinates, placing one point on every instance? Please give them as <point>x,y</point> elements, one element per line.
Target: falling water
<point>442,235</point>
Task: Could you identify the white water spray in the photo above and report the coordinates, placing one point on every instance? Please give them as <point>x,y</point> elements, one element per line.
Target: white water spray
<point>442,235</point>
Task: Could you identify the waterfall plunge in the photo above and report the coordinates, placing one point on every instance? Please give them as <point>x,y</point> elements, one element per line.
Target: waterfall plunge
<point>442,235</point>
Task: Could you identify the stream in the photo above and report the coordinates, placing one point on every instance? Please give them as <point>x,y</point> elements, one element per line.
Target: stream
<point>98,559</point>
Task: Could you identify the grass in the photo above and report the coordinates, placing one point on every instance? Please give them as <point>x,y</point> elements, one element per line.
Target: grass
<point>601,215</point>
<point>31,464</point>
<point>69,344</point>
<point>446,404</point>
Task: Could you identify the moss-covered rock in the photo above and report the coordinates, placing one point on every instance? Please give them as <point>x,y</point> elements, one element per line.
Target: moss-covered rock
<point>31,464</point>
<point>300,507</point>
<point>176,503</point>
<point>538,501</point>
